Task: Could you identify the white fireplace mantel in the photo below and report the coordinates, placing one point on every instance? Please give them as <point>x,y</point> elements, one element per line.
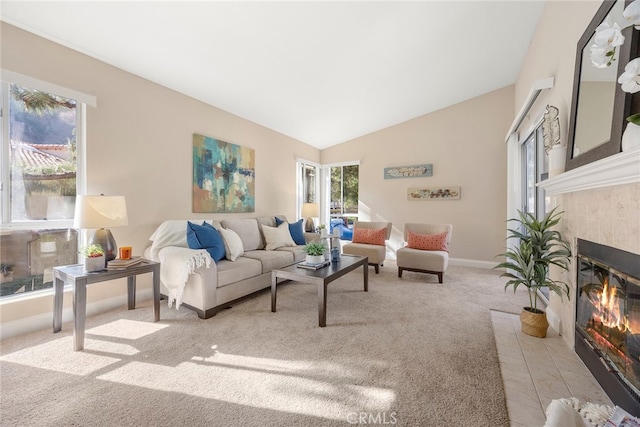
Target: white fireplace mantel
<point>619,169</point>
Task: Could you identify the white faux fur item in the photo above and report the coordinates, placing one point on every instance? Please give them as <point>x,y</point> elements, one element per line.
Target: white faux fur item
<point>574,413</point>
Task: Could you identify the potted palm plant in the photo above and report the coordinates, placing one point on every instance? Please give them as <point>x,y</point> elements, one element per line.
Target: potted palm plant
<point>527,263</point>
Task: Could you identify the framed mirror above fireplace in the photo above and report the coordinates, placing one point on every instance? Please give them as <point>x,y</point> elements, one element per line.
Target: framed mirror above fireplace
<point>599,106</point>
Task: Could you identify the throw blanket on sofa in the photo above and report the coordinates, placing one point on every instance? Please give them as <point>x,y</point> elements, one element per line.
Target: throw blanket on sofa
<point>176,264</point>
<point>177,261</point>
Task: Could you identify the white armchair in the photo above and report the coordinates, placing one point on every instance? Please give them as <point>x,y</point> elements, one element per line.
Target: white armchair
<point>427,249</point>
<point>369,240</point>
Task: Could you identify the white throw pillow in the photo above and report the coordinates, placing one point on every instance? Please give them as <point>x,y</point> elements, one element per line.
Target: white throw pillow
<point>232,244</point>
<point>277,237</point>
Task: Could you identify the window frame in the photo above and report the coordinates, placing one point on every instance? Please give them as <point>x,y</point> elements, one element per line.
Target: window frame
<point>82,101</point>
<point>300,184</point>
<point>541,170</point>
<point>323,186</point>
<point>327,173</point>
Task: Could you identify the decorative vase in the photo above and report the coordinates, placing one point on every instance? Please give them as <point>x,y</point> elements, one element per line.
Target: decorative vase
<point>534,323</point>
<point>315,259</point>
<point>93,264</point>
<point>631,137</point>
<point>557,157</point>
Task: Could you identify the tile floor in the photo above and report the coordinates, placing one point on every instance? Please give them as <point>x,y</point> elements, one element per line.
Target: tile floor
<point>535,371</point>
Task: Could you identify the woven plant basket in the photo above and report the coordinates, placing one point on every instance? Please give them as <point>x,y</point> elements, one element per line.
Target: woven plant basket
<point>534,324</point>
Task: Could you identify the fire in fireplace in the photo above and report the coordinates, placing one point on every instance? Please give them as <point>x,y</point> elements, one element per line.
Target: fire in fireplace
<point>608,320</point>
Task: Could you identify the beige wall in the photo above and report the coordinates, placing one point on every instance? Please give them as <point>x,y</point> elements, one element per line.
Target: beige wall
<point>610,215</point>
<point>465,143</point>
<point>552,53</point>
<point>139,144</point>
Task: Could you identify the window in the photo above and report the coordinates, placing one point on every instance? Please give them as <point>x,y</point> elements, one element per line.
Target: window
<point>309,183</point>
<point>334,187</point>
<point>41,168</point>
<point>344,191</point>
<point>535,170</point>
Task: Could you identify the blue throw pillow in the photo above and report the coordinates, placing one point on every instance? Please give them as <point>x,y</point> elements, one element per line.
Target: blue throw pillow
<point>205,236</point>
<point>296,231</point>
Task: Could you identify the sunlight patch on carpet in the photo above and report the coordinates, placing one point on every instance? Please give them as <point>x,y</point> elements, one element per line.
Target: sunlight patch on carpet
<point>58,355</point>
<point>127,329</point>
<point>297,367</point>
<point>293,392</point>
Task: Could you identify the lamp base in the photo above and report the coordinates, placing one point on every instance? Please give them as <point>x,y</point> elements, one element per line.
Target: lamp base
<point>104,238</point>
<point>310,226</point>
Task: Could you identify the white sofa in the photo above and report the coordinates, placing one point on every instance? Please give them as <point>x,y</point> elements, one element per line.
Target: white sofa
<point>209,289</point>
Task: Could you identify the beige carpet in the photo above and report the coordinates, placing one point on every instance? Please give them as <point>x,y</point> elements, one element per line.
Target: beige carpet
<point>409,352</point>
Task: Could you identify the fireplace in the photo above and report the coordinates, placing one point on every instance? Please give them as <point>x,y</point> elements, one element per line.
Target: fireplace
<point>607,335</point>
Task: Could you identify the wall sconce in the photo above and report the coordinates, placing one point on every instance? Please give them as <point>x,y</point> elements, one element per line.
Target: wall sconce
<point>101,213</point>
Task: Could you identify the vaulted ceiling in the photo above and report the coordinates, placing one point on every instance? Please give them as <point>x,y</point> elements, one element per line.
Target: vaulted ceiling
<point>323,72</point>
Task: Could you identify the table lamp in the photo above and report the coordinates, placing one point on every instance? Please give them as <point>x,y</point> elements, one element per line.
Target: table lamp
<point>310,210</point>
<point>101,213</point>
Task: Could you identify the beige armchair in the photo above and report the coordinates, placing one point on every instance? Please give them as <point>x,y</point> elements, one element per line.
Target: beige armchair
<point>375,250</point>
<point>433,260</point>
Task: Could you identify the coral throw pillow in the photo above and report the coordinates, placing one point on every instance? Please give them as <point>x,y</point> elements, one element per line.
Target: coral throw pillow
<point>428,242</point>
<point>369,236</point>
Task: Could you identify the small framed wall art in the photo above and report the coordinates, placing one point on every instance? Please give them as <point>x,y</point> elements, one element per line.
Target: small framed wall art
<point>433,193</point>
<point>414,171</point>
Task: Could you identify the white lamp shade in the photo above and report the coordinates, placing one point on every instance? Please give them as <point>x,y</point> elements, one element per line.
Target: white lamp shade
<point>100,212</point>
<point>310,210</point>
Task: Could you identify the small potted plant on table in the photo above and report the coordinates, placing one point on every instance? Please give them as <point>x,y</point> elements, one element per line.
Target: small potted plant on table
<point>94,259</point>
<point>537,248</point>
<point>315,252</point>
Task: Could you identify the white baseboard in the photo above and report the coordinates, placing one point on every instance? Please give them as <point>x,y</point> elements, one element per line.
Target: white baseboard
<point>472,263</point>
<point>45,320</point>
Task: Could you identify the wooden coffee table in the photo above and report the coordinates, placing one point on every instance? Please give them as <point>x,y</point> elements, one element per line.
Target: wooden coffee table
<point>321,277</point>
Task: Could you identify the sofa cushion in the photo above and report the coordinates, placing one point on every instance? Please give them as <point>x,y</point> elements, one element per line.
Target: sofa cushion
<point>205,236</point>
<point>417,258</point>
<point>232,244</point>
<point>375,253</point>
<point>247,229</point>
<point>296,251</point>
<point>232,272</point>
<point>270,259</point>
<point>277,237</point>
<point>296,230</point>
<point>427,242</point>
<point>369,236</point>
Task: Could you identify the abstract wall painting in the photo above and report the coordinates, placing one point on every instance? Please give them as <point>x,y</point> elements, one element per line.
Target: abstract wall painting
<point>414,171</point>
<point>433,193</point>
<point>223,176</point>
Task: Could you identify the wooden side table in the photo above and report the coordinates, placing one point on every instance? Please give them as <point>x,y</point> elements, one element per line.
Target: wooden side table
<point>75,276</point>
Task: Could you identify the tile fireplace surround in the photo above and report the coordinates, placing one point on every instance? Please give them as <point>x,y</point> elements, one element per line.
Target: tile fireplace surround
<point>601,203</point>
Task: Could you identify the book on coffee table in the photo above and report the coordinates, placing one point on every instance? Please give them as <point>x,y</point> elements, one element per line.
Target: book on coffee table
<point>118,263</point>
<point>313,266</point>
